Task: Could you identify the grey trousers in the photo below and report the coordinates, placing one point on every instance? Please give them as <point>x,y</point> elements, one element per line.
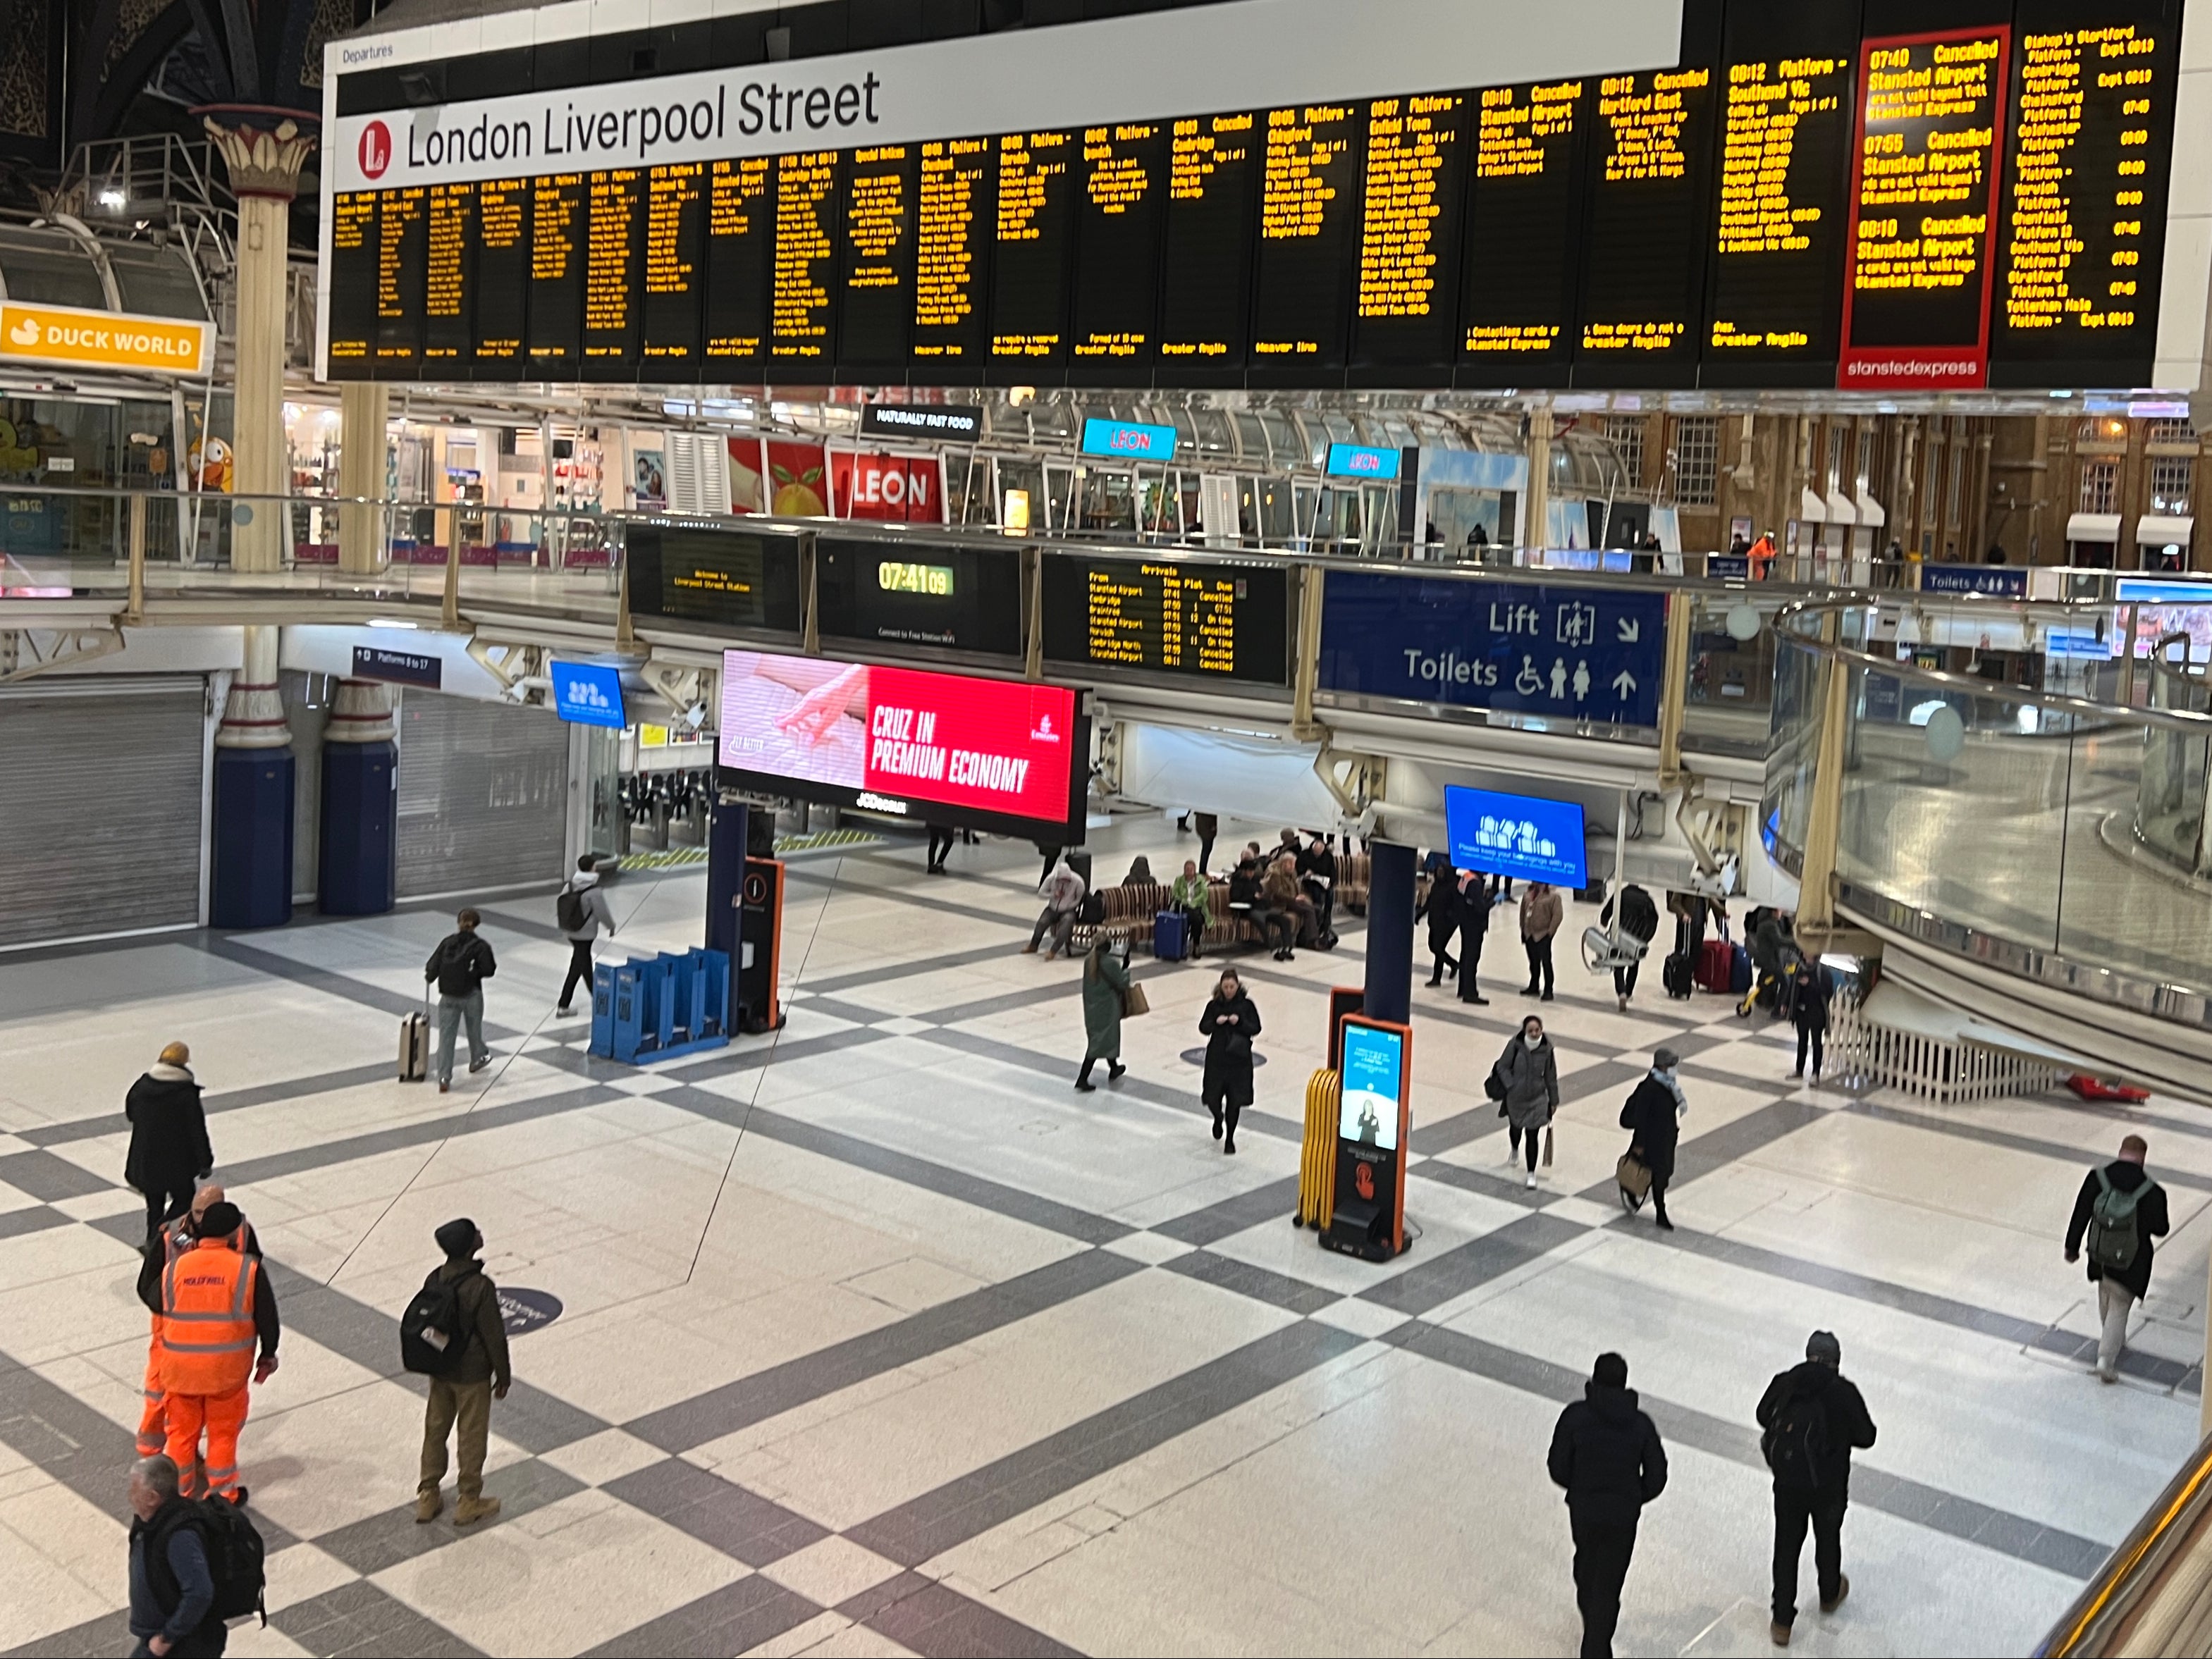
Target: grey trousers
<point>452,1011</point>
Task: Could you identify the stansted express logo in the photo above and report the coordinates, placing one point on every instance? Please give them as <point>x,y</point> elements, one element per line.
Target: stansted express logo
<point>376,149</point>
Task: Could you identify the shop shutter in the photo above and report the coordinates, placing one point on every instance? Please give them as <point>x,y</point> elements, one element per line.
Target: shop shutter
<point>99,811</point>
<point>483,795</point>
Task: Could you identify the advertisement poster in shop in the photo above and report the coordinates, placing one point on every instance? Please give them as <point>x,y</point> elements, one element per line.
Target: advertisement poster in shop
<point>1574,653</point>
<point>895,488</point>
<point>899,739</point>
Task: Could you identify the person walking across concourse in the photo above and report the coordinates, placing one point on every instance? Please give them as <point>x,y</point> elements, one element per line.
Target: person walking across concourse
<point>462,1392</point>
<point>1541,912</point>
<point>460,965</point>
<point>1525,1083</point>
<point>581,910</point>
<point>1810,1419</point>
<point>1105,983</point>
<point>1473,924</point>
<point>1440,910</point>
<point>172,1586</point>
<point>169,1153</point>
<point>1228,1022</point>
<point>940,847</point>
<point>1605,1453</point>
<point>1653,1119</point>
<point>2119,1209</point>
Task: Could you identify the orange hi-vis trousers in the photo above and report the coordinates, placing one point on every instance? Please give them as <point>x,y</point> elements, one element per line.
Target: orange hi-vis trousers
<point>153,1420</point>
<point>223,1415</point>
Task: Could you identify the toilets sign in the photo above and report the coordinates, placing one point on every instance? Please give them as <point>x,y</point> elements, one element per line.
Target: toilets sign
<point>1572,654</point>
<point>104,339</point>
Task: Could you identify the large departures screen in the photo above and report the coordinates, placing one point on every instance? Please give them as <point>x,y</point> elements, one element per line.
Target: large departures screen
<point>1872,195</point>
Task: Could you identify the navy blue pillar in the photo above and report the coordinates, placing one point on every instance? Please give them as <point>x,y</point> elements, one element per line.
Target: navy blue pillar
<point>1389,933</point>
<point>251,838</point>
<point>725,884</point>
<point>357,873</point>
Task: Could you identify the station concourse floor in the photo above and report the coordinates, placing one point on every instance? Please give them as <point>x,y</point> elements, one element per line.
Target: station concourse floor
<point>878,1338</point>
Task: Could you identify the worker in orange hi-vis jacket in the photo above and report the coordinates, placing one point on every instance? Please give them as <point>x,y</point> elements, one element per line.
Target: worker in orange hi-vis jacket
<point>216,1304</point>
<point>166,1246</point>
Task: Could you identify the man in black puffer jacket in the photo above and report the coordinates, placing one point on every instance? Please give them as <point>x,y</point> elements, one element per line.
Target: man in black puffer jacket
<point>460,965</point>
<point>1607,1454</point>
<point>1810,1417</point>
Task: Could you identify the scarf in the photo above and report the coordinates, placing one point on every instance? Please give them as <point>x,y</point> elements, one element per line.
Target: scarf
<point>1682,1106</point>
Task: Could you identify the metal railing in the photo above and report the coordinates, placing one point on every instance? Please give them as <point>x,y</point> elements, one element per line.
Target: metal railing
<point>2153,1596</point>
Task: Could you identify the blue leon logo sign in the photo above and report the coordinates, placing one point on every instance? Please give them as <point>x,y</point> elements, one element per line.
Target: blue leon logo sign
<point>1572,654</point>
<point>1128,440</point>
<point>1361,461</point>
<point>588,694</point>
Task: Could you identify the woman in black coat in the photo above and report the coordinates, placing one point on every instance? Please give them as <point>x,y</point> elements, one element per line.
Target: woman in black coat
<point>1653,1120</point>
<point>169,1151</point>
<point>1228,1024</point>
<point>1441,909</point>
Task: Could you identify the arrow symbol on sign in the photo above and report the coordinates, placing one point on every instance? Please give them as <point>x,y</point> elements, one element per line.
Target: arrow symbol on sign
<point>1625,684</point>
<point>1629,630</point>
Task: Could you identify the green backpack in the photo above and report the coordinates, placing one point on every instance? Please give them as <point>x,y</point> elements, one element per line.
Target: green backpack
<point>2115,1235</point>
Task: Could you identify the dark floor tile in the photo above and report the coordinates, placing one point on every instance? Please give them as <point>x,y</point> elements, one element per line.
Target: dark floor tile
<point>739,1524</point>
<point>377,1541</point>
<point>938,1623</point>
<point>1261,1283</point>
<point>1431,1283</point>
<point>1275,1200</point>
<point>109,1634</point>
<point>538,1422</point>
<point>361,1618</point>
<point>38,1218</point>
<point>49,1178</point>
<point>732,1619</point>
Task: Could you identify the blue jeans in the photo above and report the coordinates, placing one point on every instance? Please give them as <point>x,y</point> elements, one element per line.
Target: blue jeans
<point>452,1011</point>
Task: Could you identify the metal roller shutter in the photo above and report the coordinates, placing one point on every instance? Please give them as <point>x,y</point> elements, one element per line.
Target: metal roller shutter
<point>101,807</point>
<point>483,795</point>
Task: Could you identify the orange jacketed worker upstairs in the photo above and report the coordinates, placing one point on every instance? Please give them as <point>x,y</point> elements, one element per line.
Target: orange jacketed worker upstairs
<point>217,1304</point>
<point>165,1247</point>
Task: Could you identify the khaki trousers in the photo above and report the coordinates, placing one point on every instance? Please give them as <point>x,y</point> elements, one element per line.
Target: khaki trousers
<point>471,1404</point>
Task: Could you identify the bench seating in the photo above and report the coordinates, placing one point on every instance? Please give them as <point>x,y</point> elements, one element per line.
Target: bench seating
<point>1132,907</point>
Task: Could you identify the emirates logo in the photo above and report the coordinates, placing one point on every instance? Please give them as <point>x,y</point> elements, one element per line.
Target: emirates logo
<point>375,148</point>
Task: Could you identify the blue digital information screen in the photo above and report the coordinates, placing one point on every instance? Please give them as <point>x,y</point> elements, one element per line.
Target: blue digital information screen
<point>588,694</point>
<point>1374,1062</point>
<point>1524,837</point>
<point>1362,461</point>
<point>1128,440</point>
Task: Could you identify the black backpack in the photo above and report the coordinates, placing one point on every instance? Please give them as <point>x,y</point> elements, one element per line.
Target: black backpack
<point>570,911</point>
<point>1795,1443</point>
<point>431,1340</point>
<point>236,1558</point>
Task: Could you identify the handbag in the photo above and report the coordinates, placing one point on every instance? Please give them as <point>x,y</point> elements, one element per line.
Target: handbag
<point>1547,1145</point>
<point>1134,1002</point>
<point>1635,1178</point>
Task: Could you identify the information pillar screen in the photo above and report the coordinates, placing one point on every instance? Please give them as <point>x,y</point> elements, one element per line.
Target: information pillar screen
<point>1206,302</point>
<point>1924,210</point>
<point>2085,172</point>
<point>1405,309</point>
<point>1309,238</point>
<point>1643,247</point>
<point>956,216</point>
<point>1524,215</point>
<point>1113,314</point>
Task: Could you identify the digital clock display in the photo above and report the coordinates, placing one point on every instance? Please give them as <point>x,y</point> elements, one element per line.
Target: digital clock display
<point>934,580</point>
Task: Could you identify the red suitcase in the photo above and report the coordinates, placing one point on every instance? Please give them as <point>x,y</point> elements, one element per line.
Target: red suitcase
<point>1716,965</point>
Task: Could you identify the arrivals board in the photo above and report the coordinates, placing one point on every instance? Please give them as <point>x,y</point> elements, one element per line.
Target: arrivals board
<point>1812,194</point>
<point>1211,621</point>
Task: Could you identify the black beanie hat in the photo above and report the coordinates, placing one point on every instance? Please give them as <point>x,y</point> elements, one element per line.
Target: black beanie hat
<point>219,1219</point>
<point>458,1238</point>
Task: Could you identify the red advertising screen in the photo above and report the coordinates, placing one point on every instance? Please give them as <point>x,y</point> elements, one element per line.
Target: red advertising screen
<point>903,739</point>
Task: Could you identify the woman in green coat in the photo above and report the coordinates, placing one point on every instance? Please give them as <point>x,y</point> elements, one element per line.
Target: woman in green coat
<point>1105,980</point>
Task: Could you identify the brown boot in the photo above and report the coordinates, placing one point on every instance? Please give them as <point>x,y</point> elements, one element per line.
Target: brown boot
<point>426,1505</point>
<point>470,1511</point>
<point>1779,1633</point>
<point>1843,1588</point>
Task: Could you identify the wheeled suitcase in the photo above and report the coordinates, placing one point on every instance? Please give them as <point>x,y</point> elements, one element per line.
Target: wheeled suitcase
<point>1677,978</point>
<point>1739,969</point>
<point>1170,936</point>
<point>1716,965</point>
<point>415,1045</point>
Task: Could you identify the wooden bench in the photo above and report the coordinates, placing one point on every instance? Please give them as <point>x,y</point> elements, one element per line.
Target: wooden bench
<point>1133,907</point>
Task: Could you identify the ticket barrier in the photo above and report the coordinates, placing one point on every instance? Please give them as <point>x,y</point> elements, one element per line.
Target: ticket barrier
<point>652,1008</point>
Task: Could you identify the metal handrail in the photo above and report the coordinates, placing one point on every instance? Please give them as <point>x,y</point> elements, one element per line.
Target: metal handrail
<point>2131,1582</point>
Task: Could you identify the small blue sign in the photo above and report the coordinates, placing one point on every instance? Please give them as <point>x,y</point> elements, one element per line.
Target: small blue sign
<point>1374,1061</point>
<point>1577,653</point>
<point>1524,837</point>
<point>1128,440</point>
<point>1729,567</point>
<point>1999,581</point>
<point>1362,461</point>
<point>2129,590</point>
<point>588,694</point>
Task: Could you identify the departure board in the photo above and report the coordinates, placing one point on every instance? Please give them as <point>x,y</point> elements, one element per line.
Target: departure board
<point>740,238</point>
<point>956,216</point>
<point>877,305</point>
<point>1404,310</point>
<point>1644,261</point>
<point>499,284</point>
<point>728,579</point>
<point>614,254</point>
<point>1206,238</point>
<point>1031,248</point>
<point>355,252</point>
<point>555,316</point>
<point>2083,237</point>
<point>1786,120</point>
<point>1924,210</point>
<point>1212,621</point>
<point>804,272</point>
<point>1309,244</point>
<point>669,320</point>
<point>450,242</point>
<point>1113,314</point>
<point>403,255</point>
<point>1523,256</point>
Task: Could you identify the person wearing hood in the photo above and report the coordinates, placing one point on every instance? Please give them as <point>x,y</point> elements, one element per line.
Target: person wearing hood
<point>1525,1084</point>
<point>1606,1454</point>
<point>1064,891</point>
<point>582,910</point>
<point>170,1152</point>
<point>1653,1119</point>
<point>1105,985</point>
<point>1140,874</point>
<point>463,1395</point>
<point>1810,1420</point>
<point>1441,911</point>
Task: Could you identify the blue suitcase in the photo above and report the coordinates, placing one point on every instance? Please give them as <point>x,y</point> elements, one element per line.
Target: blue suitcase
<point>1170,936</point>
<point>1740,971</point>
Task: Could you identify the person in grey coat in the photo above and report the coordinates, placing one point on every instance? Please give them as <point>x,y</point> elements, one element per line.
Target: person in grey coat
<point>1526,1076</point>
<point>1105,982</point>
<point>583,903</point>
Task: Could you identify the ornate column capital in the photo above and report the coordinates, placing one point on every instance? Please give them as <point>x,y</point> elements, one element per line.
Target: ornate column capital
<point>264,149</point>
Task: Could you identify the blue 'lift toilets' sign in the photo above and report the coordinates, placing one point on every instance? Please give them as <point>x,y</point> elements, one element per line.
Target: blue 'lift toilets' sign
<point>1574,653</point>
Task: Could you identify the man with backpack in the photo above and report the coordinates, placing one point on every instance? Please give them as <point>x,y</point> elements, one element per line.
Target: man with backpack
<point>460,965</point>
<point>192,1566</point>
<point>1810,1420</point>
<point>581,910</point>
<point>2120,1209</point>
<point>453,1334</point>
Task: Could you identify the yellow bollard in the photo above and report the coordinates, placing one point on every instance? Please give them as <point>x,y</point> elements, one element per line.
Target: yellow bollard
<point>1317,1168</point>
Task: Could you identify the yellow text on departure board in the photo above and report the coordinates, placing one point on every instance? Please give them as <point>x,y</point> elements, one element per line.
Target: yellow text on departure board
<point>738,211</point>
<point>1115,179</point>
<point>503,233</point>
<point>1518,138</point>
<point>944,261</point>
<point>799,306</point>
<point>403,211</point>
<point>1924,164</point>
<point>1197,149</point>
<point>552,224</point>
<point>611,230</point>
<point>353,221</point>
<point>1028,163</point>
<point>1305,148</point>
<point>1646,124</point>
<point>1409,141</point>
<point>1760,219</point>
<point>672,196</point>
<point>876,223</point>
<point>1162,616</point>
<point>445,290</point>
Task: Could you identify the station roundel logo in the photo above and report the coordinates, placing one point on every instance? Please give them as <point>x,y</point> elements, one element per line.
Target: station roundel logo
<point>375,148</point>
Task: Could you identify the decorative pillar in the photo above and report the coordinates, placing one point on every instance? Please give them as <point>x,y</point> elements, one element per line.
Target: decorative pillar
<point>263,150</point>
<point>254,779</point>
<point>359,872</point>
<point>364,411</point>
<point>1536,503</point>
